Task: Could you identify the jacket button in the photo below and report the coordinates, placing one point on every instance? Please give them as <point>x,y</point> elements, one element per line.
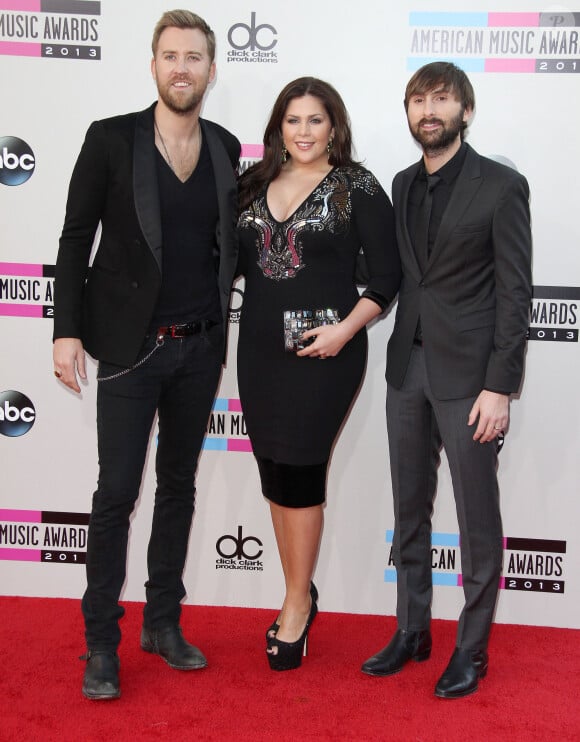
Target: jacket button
<point>134,285</point>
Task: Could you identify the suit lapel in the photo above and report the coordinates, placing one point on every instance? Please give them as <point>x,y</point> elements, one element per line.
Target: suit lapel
<point>468,183</point>
<point>223,173</point>
<point>145,186</point>
<point>406,248</point>
<point>225,229</point>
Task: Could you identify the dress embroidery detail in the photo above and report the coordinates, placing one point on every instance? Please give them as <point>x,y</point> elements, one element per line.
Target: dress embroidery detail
<point>328,207</point>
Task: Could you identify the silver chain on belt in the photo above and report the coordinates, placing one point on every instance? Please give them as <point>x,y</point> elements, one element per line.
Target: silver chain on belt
<point>159,342</point>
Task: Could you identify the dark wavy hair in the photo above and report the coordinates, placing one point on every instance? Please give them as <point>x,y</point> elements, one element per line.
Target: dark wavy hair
<point>256,176</point>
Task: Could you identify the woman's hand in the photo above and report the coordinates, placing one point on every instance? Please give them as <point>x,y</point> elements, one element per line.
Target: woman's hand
<point>329,340</point>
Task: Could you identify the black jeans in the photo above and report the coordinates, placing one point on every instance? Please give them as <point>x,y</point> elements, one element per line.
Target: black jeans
<point>178,382</point>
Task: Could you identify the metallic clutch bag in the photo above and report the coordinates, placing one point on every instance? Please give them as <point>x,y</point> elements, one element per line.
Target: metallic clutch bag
<point>297,321</point>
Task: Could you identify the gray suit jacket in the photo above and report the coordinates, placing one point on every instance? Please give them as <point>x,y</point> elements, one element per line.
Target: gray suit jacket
<point>114,183</point>
<point>474,297</point>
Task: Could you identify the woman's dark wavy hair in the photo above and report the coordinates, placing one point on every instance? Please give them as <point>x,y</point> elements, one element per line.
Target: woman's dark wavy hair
<point>256,176</point>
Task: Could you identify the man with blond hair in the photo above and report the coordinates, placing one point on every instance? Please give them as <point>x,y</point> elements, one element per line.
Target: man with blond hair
<point>153,310</point>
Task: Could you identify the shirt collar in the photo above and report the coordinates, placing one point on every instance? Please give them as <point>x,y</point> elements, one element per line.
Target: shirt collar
<point>449,172</point>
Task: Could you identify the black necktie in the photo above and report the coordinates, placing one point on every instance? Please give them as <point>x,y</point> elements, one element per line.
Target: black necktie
<point>423,220</point>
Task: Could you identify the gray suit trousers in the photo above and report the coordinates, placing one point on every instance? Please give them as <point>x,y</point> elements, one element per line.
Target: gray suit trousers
<point>418,425</point>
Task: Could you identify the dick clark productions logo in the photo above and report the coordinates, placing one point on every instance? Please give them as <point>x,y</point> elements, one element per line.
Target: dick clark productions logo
<point>16,161</point>
<point>252,42</point>
<point>17,414</point>
<point>249,35</point>
<point>236,553</point>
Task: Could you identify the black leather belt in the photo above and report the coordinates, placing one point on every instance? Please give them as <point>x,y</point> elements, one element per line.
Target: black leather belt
<point>185,329</point>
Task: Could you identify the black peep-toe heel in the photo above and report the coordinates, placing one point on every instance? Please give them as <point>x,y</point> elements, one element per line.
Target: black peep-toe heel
<point>272,630</point>
<point>289,654</point>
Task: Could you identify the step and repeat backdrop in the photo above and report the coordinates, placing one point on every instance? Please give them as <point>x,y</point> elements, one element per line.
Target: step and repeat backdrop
<point>65,63</point>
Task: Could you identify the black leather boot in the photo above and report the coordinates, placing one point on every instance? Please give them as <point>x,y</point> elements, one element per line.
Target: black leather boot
<point>464,670</point>
<point>101,680</point>
<point>169,644</point>
<point>403,647</point>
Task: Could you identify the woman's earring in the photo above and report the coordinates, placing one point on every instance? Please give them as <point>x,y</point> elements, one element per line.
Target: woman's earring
<point>330,145</point>
<point>284,154</point>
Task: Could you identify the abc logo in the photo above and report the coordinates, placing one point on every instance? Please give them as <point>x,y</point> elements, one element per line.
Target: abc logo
<point>237,548</point>
<point>16,161</point>
<point>249,36</point>
<point>17,414</point>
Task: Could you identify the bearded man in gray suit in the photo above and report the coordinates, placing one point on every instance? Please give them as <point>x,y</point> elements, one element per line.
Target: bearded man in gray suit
<point>455,356</point>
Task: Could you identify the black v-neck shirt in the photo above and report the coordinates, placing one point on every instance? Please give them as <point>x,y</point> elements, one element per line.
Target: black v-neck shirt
<point>189,218</point>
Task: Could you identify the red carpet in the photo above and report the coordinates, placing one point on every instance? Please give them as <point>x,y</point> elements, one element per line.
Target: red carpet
<point>530,693</point>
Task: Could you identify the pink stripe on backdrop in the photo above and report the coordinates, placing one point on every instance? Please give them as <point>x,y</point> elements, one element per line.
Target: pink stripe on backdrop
<point>20,555</point>
<point>239,444</point>
<point>20,49</point>
<point>234,405</point>
<point>502,583</point>
<point>21,516</point>
<point>510,65</point>
<point>20,310</point>
<point>513,19</point>
<point>32,6</point>
<point>253,150</point>
<point>459,580</point>
<point>21,269</point>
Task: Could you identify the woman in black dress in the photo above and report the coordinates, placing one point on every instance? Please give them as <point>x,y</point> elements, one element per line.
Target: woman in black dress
<point>307,209</point>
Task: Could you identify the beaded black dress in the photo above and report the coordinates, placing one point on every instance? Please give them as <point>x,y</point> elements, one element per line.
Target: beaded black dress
<point>294,406</point>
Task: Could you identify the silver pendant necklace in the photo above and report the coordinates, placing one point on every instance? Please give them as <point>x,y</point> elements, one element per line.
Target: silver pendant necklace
<point>168,158</point>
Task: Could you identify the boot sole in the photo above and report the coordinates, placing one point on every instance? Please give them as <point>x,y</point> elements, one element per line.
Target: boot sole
<point>417,658</point>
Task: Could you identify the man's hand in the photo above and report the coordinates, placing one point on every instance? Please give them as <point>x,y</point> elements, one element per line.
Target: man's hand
<point>493,411</point>
<point>69,357</point>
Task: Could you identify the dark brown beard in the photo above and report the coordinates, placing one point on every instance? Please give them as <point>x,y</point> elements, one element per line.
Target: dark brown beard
<point>445,138</point>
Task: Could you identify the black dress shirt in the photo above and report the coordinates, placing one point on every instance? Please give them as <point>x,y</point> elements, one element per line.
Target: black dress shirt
<point>441,194</point>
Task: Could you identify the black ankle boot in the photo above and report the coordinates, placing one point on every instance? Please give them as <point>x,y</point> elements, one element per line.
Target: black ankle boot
<point>101,679</point>
<point>403,647</point>
<point>465,668</point>
<point>169,644</point>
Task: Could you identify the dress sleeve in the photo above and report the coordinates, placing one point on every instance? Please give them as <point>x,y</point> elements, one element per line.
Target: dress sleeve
<point>378,264</point>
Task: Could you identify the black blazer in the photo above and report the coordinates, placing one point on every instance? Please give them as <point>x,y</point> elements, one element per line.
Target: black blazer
<point>114,183</point>
<point>474,297</point>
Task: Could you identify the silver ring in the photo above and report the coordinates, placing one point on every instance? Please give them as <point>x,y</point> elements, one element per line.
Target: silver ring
<point>496,428</point>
